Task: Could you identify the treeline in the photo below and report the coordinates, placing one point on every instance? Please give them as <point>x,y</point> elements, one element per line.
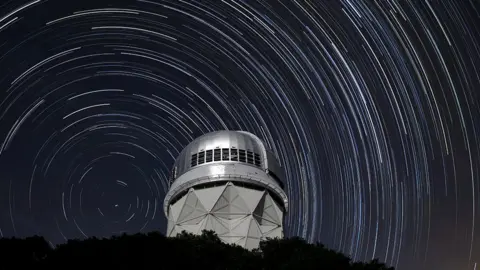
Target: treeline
<point>186,251</point>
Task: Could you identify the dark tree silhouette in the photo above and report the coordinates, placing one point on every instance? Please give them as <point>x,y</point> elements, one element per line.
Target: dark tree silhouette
<point>186,251</point>
<point>372,265</point>
<point>23,252</point>
<point>290,253</point>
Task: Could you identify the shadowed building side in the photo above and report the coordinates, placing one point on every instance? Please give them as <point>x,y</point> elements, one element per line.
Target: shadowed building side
<point>228,182</point>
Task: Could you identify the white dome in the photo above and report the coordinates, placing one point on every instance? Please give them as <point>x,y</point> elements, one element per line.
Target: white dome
<point>227,139</point>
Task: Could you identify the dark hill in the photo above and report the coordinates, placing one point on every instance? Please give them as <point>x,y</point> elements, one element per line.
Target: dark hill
<point>155,251</point>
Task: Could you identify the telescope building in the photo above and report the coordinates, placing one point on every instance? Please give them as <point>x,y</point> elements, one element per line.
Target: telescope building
<point>228,182</point>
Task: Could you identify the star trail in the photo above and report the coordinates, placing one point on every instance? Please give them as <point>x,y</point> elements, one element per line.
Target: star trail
<point>372,108</point>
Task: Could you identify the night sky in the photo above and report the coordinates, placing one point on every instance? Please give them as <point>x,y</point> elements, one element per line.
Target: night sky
<point>372,107</point>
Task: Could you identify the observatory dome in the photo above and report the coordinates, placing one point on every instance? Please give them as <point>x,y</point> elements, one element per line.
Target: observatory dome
<point>223,179</point>
<point>218,143</point>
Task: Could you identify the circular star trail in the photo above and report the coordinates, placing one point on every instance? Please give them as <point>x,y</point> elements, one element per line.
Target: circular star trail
<point>372,108</point>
